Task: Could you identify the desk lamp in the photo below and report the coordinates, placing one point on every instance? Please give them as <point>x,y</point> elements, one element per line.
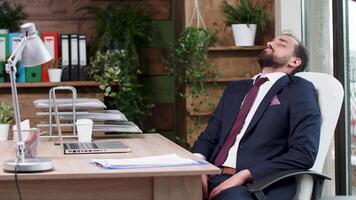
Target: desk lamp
<point>31,51</point>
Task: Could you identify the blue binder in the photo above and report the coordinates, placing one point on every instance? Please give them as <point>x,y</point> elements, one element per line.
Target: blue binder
<point>14,41</point>
<point>3,55</point>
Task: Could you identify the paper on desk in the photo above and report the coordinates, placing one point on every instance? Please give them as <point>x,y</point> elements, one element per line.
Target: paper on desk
<point>168,160</point>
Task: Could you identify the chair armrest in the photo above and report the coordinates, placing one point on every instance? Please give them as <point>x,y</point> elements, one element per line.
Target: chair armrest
<point>256,188</point>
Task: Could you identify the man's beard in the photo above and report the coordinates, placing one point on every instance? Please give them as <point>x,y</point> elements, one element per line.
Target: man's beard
<point>266,59</point>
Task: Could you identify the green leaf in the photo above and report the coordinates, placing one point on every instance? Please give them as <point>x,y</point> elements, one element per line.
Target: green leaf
<point>6,113</point>
<point>245,13</point>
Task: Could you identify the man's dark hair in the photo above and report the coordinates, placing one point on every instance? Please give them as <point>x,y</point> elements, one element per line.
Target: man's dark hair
<point>301,52</point>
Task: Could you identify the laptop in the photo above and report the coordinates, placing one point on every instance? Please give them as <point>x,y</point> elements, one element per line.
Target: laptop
<point>95,147</point>
<point>91,147</point>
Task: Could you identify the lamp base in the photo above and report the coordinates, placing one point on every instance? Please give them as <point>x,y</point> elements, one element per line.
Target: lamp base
<point>28,165</point>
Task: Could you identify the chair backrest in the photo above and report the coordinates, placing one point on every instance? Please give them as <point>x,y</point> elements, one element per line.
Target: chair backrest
<point>330,97</point>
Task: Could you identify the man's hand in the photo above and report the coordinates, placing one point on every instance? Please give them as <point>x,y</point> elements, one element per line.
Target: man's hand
<point>204,181</point>
<point>235,180</point>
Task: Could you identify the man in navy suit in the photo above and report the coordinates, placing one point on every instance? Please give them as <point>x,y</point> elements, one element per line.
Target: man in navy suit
<point>280,130</point>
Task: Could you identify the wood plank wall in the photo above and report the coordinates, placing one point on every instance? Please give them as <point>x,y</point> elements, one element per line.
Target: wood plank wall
<point>62,16</point>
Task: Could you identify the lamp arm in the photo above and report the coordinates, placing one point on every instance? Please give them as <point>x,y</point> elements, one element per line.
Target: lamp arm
<point>15,56</point>
<point>11,69</point>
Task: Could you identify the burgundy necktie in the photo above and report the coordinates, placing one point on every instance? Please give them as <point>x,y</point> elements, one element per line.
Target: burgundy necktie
<point>240,120</point>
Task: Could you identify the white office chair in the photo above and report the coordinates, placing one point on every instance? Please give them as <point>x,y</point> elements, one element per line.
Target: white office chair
<point>310,182</point>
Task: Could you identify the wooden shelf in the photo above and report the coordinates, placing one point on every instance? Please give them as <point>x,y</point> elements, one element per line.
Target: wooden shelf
<point>236,48</point>
<point>48,84</point>
<point>192,114</point>
<point>228,79</point>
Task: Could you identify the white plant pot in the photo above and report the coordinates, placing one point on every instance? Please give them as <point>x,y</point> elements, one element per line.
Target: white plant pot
<point>4,132</point>
<point>244,34</point>
<point>54,75</point>
<point>4,31</point>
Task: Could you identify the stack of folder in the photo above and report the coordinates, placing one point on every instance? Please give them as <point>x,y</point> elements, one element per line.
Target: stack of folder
<point>74,57</point>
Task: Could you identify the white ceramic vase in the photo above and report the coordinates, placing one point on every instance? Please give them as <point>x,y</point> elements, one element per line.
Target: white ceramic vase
<point>4,31</point>
<point>4,132</point>
<point>244,34</point>
<point>54,75</point>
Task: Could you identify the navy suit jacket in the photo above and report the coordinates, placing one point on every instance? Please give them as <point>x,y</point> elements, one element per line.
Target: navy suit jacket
<point>279,137</point>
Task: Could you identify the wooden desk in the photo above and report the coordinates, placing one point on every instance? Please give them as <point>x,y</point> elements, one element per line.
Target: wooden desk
<point>75,178</point>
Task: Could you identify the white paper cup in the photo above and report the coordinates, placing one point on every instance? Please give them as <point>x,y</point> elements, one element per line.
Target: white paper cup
<point>84,129</point>
<point>4,132</point>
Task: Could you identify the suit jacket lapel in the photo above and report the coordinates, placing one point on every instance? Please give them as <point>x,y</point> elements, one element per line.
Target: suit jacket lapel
<point>282,82</point>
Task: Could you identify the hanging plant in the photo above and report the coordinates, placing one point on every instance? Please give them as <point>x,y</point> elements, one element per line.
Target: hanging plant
<point>189,64</point>
<point>122,25</point>
<point>189,60</point>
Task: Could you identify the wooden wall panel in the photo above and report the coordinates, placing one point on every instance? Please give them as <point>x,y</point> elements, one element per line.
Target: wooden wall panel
<point>214,19</point>
<point>61,16</point>
<point>67,9</point>
<point>235,64</point>
<point>202,102</point>
<point>152,60</point>
<point>66,26</point>
<point>194,131</point>
<point>162,117</point>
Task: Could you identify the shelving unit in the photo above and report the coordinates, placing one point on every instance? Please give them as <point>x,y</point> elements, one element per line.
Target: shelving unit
<point>48,84</point>
<point>235,48</point>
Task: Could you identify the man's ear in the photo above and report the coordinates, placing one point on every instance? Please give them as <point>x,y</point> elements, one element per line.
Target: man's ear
<point>295,62</point>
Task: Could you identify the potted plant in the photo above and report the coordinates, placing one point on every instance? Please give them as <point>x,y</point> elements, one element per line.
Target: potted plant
<point>10,17</point>
<point>117,77</point>
<point>244,20</point>
<point>6,114</point>
<point>122,25</point>
<point>122,30</point>
<point>54,72</point>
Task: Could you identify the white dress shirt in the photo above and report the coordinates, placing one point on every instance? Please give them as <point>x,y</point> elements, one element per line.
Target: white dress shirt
<point>264,88</point>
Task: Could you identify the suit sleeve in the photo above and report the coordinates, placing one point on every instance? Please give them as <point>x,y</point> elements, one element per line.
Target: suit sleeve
<point>209,138</point>
<point>303,139</point>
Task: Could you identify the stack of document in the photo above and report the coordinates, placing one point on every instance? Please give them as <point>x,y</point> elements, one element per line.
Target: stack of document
<point>98,115</point>
<point>117,126</point>
<point>168,160</point>
<point>68,103</point>
<point>86,108</point>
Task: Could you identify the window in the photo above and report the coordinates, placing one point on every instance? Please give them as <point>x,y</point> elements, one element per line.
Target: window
<point>351,69</point>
